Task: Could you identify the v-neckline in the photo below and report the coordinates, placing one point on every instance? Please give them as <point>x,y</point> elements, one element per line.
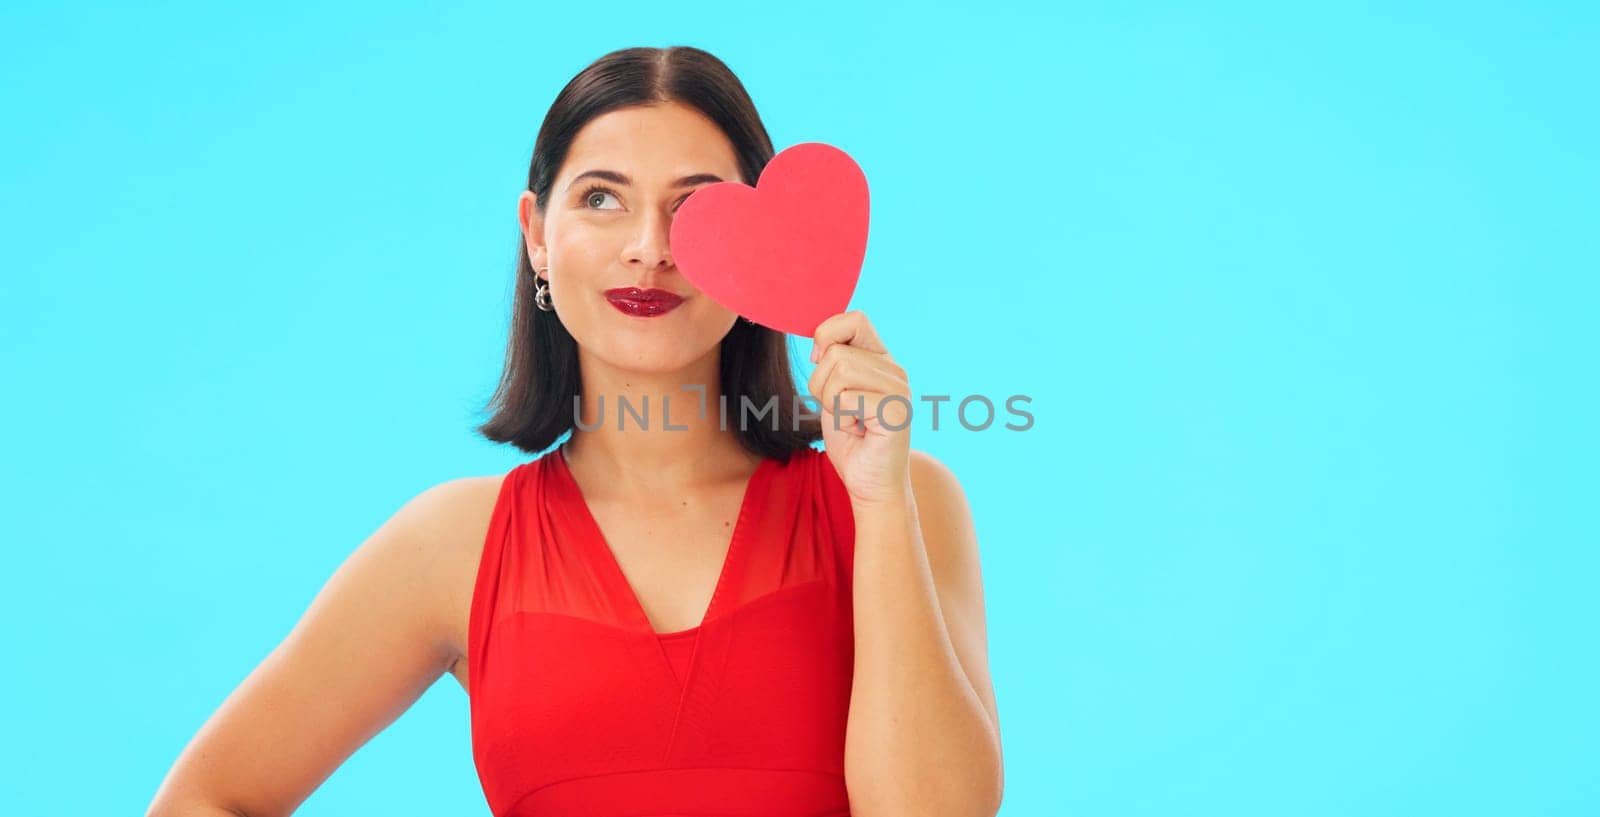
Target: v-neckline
<point>608,558</point>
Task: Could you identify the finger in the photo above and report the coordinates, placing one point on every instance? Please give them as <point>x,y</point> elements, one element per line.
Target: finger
<point>850,328</point>
<point>855,370</point>
<point>851,367</point>
<point>871,410</point>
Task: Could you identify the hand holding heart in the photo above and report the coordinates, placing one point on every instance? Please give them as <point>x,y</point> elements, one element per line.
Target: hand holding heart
<point>787,254</point>
<point>871,447</point>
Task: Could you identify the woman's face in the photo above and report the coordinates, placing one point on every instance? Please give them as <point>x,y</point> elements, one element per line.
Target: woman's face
<point>604,232</point>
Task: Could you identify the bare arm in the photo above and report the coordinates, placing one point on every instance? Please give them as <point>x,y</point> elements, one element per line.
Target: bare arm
<point>376,637</point>
<point>924,729</point>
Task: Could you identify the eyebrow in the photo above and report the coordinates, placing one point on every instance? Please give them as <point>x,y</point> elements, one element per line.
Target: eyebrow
<point>618,178</point>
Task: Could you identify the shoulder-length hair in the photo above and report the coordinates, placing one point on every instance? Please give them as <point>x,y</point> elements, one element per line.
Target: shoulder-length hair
<point>533,405</point>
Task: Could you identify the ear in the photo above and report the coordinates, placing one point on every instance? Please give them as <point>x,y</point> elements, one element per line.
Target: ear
<point>532,224</point>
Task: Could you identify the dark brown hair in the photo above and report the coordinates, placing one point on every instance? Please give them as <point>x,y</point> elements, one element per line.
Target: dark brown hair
<point>533,404</point>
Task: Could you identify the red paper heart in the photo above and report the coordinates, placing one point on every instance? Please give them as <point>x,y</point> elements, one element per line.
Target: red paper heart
<point>786,253</point>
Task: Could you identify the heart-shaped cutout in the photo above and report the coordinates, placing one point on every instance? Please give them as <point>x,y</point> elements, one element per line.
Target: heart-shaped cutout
<point>786,253</point>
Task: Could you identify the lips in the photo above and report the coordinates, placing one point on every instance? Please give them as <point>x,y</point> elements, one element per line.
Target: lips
<point>644,303</point>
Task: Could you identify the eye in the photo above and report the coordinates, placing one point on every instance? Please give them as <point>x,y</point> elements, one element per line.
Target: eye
<point>596,193</point>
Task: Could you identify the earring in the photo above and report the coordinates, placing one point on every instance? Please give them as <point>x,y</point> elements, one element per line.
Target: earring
<point>541,296</point>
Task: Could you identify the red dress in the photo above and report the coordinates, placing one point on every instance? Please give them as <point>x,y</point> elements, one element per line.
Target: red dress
<point>579,707</point>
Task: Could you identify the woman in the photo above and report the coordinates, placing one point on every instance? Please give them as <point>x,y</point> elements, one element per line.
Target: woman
<point>680,609</point>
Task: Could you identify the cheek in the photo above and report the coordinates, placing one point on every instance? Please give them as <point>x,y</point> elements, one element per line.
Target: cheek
<point>580,240</point>
<point>707,307</point>
<point>579,260</point>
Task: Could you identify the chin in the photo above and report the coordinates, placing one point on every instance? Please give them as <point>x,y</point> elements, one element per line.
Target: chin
<point>651,358</point>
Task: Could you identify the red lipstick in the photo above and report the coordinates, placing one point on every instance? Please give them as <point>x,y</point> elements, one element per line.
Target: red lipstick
<point>643,303</point>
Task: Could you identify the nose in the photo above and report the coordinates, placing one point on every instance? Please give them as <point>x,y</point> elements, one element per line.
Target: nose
<point>650,248</point>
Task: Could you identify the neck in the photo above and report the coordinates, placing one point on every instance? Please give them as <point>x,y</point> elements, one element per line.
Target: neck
<point>648,432</point>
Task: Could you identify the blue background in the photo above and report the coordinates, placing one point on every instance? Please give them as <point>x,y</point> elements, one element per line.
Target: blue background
<point>1304,297</point>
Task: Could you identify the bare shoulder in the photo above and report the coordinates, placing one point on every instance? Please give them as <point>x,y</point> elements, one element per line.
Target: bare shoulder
<point>376,636</point>
<point>939,494</point>
<point>445,526</point>
<point>950,534</point>
<point>950,538</point>
<point>445,513</point>
<point>454,516</point>
<point>427,552</point>
<point>928,469</point>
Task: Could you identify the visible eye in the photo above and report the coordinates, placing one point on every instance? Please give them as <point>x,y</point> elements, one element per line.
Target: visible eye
<point>596,193</point>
